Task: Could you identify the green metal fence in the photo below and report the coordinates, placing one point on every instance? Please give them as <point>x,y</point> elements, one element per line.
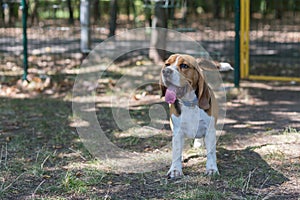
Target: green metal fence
<point>54,37</point>
<point>274,39</point>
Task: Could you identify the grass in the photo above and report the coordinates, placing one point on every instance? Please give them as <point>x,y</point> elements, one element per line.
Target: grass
<point>42,157</point>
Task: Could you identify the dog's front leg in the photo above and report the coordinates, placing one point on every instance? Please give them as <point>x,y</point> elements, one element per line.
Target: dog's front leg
<point>177,147</point>
<point>210,144</point>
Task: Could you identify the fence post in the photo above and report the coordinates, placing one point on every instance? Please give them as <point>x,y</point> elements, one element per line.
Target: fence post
<point>244,38</point>
<point>24,24</point>
<point>85,42</point>
<point>237,44</point>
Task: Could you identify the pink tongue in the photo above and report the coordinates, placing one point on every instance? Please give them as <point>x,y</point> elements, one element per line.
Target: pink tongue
<point>170,95</point>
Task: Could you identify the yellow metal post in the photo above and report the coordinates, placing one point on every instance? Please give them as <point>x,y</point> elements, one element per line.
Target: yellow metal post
<point>273,78</point>
<point>247,37</point>
<point>244,39</point>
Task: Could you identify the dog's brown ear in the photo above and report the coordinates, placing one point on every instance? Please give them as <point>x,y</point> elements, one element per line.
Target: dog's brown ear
<point>163,89</point>
<point>202,91</point>
<point>208,65</point>
<point>204,97</point>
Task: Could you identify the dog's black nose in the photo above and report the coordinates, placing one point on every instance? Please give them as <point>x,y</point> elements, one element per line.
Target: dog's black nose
<point>167,72</point>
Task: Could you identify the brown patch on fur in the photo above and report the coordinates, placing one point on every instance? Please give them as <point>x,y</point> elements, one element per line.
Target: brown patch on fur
<point>194,75</point>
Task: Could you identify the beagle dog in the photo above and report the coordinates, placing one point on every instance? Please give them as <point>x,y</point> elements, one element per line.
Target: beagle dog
<point>193,106</point>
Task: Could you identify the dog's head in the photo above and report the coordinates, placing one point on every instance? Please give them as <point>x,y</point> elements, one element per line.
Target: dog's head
<point>180,74</point>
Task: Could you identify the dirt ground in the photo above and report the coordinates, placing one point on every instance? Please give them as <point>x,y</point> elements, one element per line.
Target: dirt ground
<point>264,106</point>
<point>42,156</point>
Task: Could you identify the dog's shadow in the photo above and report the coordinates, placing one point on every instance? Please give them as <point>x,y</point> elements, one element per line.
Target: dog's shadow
<point>243,168</point>
<point>248,168</point>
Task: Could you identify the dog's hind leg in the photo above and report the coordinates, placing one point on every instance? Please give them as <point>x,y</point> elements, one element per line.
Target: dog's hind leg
<point>210,144</point>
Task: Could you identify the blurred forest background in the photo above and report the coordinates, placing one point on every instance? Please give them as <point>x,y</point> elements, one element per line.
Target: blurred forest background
<point>138,12</point>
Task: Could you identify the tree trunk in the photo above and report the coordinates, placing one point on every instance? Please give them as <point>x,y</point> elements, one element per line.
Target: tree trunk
<point>34,14</point>
<point>148,13</point>
<point>158,37</point>
<point>128,10</point>
<point>134,11</point>
<point>113,17</point>
<point>11,14</point>
<point>217,10</point>
<point>96,13</point>
<point>71,16</point>
<point>279,10</point>
<point>1,13</point>
<point>184,11</point>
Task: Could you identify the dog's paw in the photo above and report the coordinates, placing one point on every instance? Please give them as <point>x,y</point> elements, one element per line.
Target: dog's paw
<point>212,172</point>
<point>174,173</point>
<point>211,166</point>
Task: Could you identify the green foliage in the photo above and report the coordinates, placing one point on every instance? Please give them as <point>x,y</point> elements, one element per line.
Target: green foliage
<point>290,129</point>
<point>57,9</point>
<point>73,184</point>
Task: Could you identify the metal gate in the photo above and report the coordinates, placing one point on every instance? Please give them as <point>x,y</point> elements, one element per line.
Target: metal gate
<point>270,40</point>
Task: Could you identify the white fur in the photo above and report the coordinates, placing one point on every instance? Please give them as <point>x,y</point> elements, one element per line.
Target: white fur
<point>225,67</point>
<point>175,78</point>
<point>193,122</point>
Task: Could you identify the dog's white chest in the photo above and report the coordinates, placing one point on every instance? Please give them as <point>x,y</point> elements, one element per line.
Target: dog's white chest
<point>193,122</point>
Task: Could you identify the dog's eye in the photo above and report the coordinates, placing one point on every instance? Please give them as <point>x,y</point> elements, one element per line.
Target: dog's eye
<point>167,64</point>
<point>183,66</point>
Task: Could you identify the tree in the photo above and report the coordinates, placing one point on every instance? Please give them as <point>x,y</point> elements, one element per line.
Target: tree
<point>96,12</point>
<point>71,16</point>
<point>113,17</point>
<point>148,12</point>
<point>130,5</point>
<point>158,37</point>
<point>34,13</point>
<point>217,10</point>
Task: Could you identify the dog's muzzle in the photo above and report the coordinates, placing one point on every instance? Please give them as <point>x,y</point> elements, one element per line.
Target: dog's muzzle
<point>167,72</point>
<point>176,84</point>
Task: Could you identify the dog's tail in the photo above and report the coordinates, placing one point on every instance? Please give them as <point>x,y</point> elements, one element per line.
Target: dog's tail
<point>224,67</point>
